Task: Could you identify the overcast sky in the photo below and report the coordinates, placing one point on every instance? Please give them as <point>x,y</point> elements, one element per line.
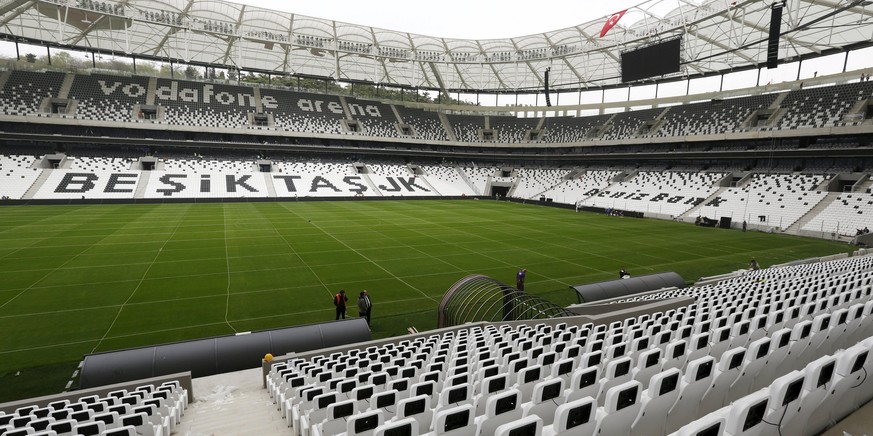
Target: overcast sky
<point>476,19</point>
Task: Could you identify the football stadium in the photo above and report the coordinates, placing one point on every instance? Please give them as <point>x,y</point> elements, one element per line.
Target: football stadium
<point>229,218</point>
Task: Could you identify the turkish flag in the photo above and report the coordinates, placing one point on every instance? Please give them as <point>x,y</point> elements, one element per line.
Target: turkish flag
<point>611,22</point>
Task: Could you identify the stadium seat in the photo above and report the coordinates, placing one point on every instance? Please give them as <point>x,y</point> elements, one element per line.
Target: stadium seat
<point>842,400</point>
<point>585,382</point>
<point>648,364</point>
<point>417,408</point>
<point>456,421</point>
<point>142,425</point>
<point>695,381</point>
<point>337,418</point>
<point>40,424</point>
<point>11,430</point>
<point>292,405</point>
<point>120,431</point>
<point>745,417</point>
<point>729,368</point>
<point>547,396</point>
<point>779,347</point>
<point>564,368</point>
<point>819,337</point>
<point>656,401</point>
<point>365,423</point>
<point>500,408</point>
<point>404,427</point>
<point>490,386</point>
<point>784,399</point>
<point>92,428</point>
<point>165,422</point>
<point>313,412</point>
<point>64,427</point>
<point>526,379</point>
<point>616,372</point>
<point>622,406</point>
<point>755,359</point>
<point>530,425</point>
<point>385,401</point>
<point>863,391</point>
<point>111,419</point>
<point>579,417</point>
<point>712,424</point>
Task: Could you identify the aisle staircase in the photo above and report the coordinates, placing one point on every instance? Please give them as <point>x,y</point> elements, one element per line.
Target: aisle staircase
<point>693,212</point>
<point>812,213</point>
<point>232,404</point>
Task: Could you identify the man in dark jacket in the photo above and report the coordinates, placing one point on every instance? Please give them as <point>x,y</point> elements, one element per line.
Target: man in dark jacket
<point>340,300</point>
<point>365,306</point>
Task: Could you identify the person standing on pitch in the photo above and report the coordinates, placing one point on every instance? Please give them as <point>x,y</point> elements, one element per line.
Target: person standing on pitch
<point>519,279</point>
<point>365,306</point>
<point>340,300</point>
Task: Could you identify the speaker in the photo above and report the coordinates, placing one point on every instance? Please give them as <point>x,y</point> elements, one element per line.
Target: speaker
<point>546,79</point>
<point>775,30</point>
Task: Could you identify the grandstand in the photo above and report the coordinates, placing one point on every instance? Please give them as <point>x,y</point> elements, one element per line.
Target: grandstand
<point>171,222</point>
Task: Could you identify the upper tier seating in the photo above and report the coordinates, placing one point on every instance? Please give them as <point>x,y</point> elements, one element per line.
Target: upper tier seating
<point>378,118</point>
<point>780,198</point>
<point>845,215</point>
<point>625,125</point>
<point>822,106</point>
<point>660,192</point>
<point>305,112</point>
<point>190,103</point>
<point>467,127</point>
<point>110,98</point>
<point>511,129</point>
<point>105,97</point>
<point>742,326</point>
<point>24,90</point>
<point>712,117</point>
<point>427,124</point>
<point>571,129</point>
<point>16,175</point>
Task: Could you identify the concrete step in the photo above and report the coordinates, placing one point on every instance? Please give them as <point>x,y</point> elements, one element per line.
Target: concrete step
<point>807,217</point>
<point>693,211</point>
<point>144,177</point>
<point>34,188</point>
<point>232,404</point>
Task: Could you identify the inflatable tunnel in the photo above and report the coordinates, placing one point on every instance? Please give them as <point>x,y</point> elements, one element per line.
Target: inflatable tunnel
<point>218,355</point>
<point>621,287</point>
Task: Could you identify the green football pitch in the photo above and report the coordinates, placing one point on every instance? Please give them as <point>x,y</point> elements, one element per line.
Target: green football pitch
<point>80,279</point>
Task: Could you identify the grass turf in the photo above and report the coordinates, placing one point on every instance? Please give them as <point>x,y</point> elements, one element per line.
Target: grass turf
<point>80,279</point>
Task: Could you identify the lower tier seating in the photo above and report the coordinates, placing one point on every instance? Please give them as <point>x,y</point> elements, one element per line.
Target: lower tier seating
<point>659,373</point>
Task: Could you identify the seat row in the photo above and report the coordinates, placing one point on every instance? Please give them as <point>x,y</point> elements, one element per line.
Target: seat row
<point>147,409</point>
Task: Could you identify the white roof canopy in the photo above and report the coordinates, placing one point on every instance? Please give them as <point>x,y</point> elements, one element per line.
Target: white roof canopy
<point>717,35</point>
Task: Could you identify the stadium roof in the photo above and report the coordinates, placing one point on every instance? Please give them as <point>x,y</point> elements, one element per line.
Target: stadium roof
<point>717,36</point>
